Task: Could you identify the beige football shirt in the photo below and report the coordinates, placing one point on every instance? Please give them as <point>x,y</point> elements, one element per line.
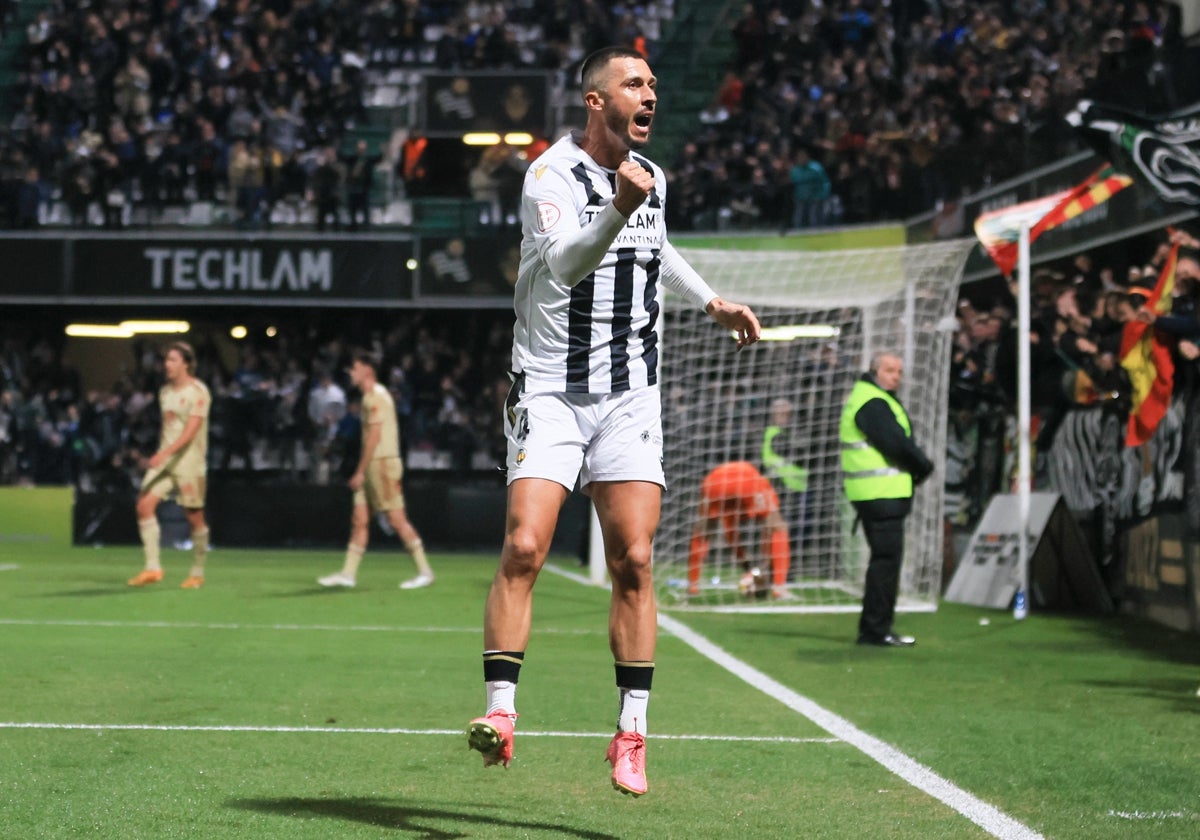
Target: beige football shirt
<point>178,404</point>
<point>378,407</point>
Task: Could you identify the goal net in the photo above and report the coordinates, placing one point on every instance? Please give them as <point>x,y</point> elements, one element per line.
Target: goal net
<point>824,315</point>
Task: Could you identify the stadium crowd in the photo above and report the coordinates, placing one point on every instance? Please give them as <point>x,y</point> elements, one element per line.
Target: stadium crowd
<point>857,111</point>
<point>1079,309</point>
<point>247,103</point>
<point>282,403</point>
<point>844,111</point>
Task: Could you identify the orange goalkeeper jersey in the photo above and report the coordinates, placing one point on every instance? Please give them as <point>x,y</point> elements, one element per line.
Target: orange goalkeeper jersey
<point>737,489</point>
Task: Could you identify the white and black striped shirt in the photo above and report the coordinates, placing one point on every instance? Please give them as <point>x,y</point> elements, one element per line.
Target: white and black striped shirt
<point>601,334</point>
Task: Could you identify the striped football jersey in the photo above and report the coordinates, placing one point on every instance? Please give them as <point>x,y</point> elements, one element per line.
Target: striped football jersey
<point>603,334</point>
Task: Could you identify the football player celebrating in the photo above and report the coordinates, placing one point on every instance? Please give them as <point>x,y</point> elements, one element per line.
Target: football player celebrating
<point>585,401</point>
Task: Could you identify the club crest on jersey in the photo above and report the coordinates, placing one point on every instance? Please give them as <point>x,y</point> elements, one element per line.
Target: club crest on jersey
<point>548,215</point>
<point>539,171</point>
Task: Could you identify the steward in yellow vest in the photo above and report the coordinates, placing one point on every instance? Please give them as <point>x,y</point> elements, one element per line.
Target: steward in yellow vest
<point>881,463</point>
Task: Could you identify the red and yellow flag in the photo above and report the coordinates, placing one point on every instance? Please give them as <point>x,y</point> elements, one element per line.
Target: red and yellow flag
<point>999,230</point>
<point>1147,359</point>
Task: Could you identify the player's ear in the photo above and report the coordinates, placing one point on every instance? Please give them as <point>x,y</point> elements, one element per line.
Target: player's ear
<point>593,100</point>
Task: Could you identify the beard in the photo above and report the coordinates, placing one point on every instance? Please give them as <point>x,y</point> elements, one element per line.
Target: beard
<point>619,125</point>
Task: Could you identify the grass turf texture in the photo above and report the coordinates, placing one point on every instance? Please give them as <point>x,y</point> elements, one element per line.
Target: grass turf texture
<point>1078,728</point>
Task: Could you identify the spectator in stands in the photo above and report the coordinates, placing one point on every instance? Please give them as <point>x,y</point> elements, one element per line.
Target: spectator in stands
<point>326,405</point>
<point>810,190</point>
<point>345,447</point>
<point>207,160</point>
<point>325,189</point>
<point>28,201</point>
<point>360,180</point>
<point>247,176</point>
<point>288,184</point>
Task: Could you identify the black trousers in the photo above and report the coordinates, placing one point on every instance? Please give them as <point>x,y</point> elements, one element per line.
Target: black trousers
<point>885,536</point>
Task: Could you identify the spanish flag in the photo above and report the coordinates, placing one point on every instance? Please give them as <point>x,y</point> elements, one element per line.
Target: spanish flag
<point>1147,359</point>
<point>999,230</point>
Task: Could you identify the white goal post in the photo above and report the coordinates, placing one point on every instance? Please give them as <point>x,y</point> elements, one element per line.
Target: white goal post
<point>824,314</point>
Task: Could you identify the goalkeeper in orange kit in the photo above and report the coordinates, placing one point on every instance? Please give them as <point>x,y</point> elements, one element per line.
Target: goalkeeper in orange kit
<point>732,494</point>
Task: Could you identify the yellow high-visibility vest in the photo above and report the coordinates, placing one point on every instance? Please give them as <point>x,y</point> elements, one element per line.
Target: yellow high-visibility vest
<point>793,476</point>
<point>866,473</point>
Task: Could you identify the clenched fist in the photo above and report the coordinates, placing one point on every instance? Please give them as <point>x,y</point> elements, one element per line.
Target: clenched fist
<point>634,183</point>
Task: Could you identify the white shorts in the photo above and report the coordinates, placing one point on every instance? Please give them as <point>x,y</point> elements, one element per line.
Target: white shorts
<point>589,437</point>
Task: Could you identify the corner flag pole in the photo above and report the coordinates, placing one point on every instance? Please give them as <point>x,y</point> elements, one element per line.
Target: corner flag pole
<point>1024,478</point>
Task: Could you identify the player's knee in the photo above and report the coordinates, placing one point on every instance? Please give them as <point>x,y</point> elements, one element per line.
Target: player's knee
<point>632,567</point>
<point>146,506</point>
<point>523,552</point>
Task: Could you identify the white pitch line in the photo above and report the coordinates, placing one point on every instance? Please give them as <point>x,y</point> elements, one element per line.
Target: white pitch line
<point>575,576</point>
<point>350,730</point>
<point>988,817</point>
<point>8,567</point>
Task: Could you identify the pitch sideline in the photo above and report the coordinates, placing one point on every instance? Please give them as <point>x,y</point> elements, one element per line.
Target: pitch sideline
<point>988,817</point>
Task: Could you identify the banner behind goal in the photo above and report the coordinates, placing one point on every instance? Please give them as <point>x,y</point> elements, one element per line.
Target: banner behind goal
<point>824,315</point>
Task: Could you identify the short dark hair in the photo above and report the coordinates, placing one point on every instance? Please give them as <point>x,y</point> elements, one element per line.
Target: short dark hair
<point>185,352</point>
<point>367,357</point>
<point>594,64</point>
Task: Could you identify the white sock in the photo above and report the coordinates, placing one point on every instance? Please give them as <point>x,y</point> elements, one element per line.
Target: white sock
<point>199,552</point>
<point>632,716</point>
<point>501,696</point>
<point>151,535</point>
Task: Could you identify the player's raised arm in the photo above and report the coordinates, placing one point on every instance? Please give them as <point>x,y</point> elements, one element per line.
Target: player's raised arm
<point>570,250</point>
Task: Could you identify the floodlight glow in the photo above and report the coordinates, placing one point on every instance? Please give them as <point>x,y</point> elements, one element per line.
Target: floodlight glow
<point>791,332</point>
<point>481,138</point>
<point>157,326</point>
<point>98,331</point>
<point>411,264</point>
<point>271,332</point>
<point>518,138</point>
<point>239,332</point>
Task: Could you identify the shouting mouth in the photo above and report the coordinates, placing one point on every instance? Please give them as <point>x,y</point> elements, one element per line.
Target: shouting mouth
<point>641,125</point>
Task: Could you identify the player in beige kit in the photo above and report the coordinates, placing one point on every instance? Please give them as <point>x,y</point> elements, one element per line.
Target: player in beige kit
<point>376,481</point>
<point>179,467</point>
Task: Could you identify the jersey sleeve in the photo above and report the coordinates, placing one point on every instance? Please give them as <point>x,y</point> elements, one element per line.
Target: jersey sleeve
<point>372,410</point>
<point>570,250</point>
<point>201,402</point>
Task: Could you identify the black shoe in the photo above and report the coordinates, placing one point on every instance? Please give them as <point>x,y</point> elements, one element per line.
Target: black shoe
<point>890,640</point>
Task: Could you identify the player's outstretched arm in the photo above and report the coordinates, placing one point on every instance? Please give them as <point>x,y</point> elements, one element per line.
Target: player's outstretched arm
<point>736,317</point>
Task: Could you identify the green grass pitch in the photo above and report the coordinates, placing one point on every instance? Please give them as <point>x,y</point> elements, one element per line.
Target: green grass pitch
<point>264,707</point>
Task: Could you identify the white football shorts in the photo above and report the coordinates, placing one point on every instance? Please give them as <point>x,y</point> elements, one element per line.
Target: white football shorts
<point>589,437</point>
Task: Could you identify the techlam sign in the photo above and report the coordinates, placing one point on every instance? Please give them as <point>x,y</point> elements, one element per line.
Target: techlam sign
<point>262,270</point>
<point>240,269</point>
